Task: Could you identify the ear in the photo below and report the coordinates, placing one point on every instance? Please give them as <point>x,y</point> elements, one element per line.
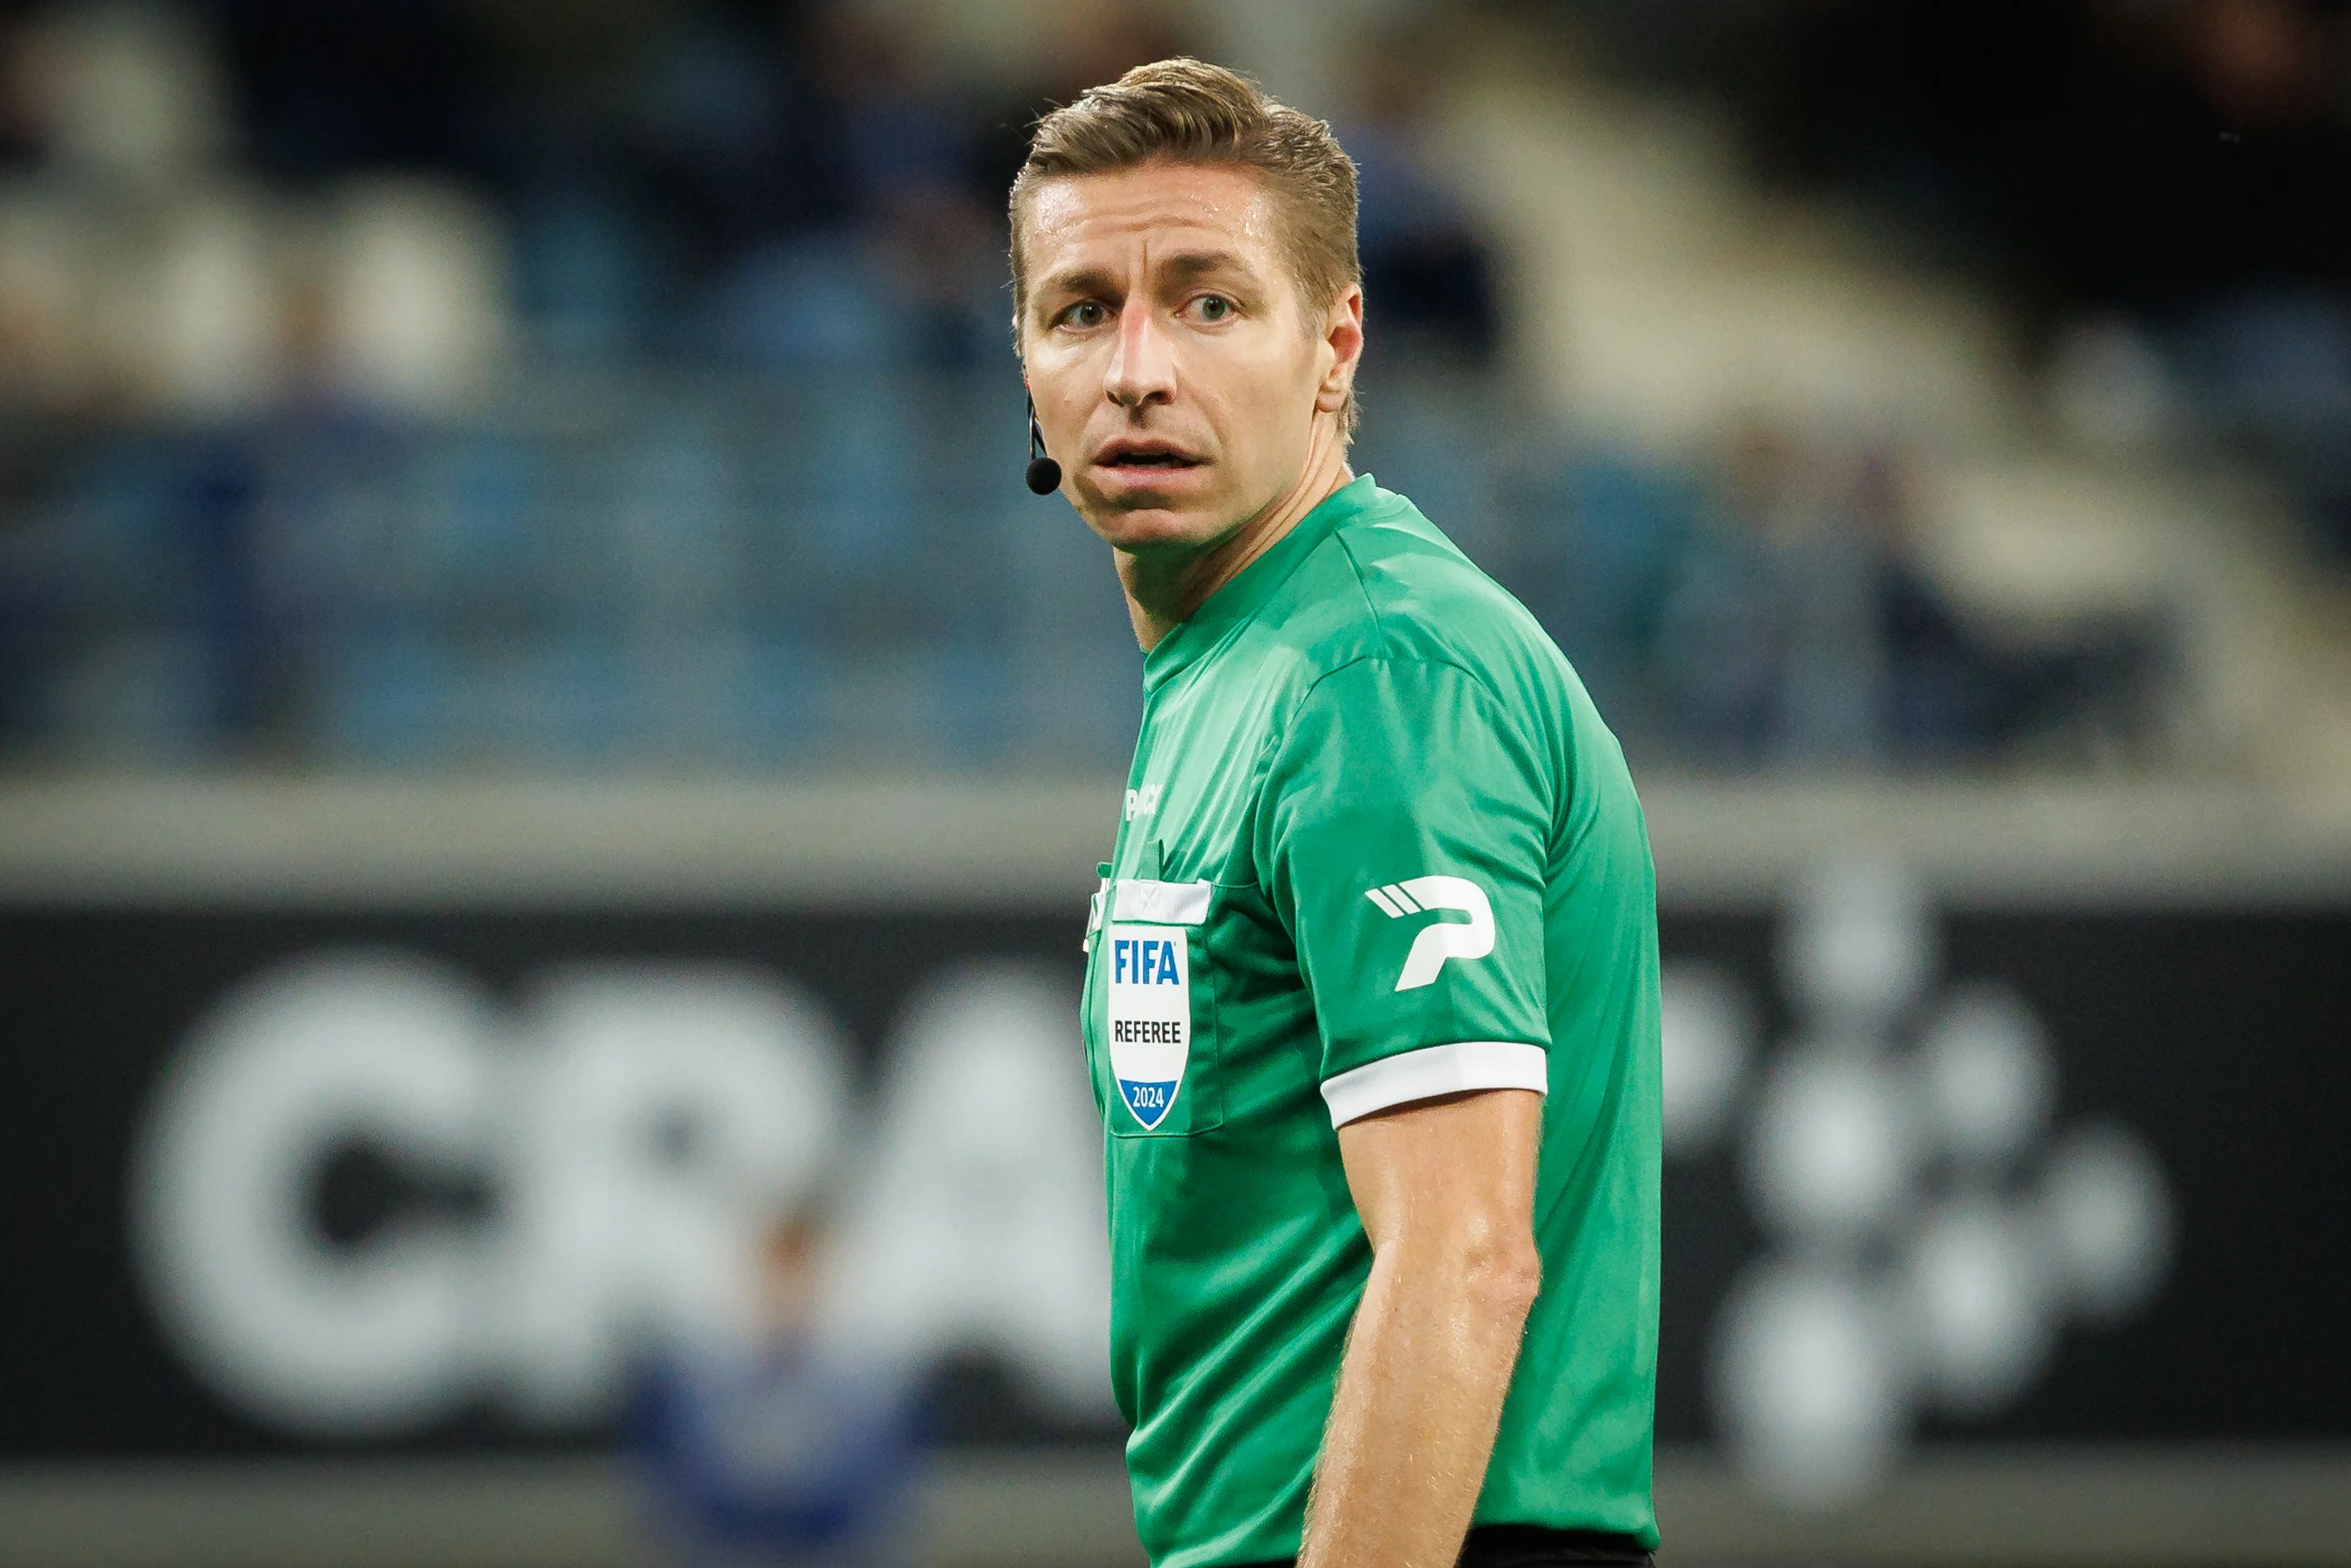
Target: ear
<point>1342,348</point>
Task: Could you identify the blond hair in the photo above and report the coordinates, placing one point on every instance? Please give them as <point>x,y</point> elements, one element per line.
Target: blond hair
<point>1188,111</point>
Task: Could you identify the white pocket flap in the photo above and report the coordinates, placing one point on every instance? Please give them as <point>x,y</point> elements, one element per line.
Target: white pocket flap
<point>1161,902</point>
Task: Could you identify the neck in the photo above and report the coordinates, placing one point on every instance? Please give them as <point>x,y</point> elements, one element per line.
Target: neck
<point>1163,590</point>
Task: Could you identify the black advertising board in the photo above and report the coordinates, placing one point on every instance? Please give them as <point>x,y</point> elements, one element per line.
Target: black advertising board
<point>2213,1043</point>
<point>2049,1176</point>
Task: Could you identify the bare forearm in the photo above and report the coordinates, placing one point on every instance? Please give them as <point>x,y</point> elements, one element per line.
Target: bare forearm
<point>1412,1424</point>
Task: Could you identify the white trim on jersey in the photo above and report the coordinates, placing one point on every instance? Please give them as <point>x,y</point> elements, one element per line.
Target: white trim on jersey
<point>1462,1067</point>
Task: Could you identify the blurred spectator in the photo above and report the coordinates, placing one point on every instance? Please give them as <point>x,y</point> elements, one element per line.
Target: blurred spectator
<point>1769,646</point>
<point>1780,620</point>
<point>767,1452</point>
<point>1428,276</point>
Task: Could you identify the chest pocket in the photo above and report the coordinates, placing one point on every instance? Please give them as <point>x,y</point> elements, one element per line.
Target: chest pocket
<point>1151,1004</point>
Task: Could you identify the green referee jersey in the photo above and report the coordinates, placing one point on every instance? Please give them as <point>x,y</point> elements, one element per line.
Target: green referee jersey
<point>1377,846</point>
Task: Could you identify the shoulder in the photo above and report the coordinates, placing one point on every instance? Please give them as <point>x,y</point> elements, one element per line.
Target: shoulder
<point>1394,644</point>
<point>1389,585</point>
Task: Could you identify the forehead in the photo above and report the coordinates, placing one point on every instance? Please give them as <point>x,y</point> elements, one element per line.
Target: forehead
<point>1088,220</point>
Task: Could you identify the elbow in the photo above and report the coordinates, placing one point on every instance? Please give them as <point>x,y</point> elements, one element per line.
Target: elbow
<point>1504,1274</point>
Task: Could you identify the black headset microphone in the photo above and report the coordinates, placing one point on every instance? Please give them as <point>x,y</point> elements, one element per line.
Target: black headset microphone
<point>1044,473</point>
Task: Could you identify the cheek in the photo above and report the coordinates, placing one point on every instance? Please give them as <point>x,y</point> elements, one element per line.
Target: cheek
<point>1059,391</point>
<point>1275,406</point>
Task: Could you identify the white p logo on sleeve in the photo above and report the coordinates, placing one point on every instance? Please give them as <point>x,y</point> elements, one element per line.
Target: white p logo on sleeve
<point>1444,938</point>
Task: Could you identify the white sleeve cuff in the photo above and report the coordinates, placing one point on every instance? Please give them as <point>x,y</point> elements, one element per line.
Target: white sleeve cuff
<point>1459,1068</point>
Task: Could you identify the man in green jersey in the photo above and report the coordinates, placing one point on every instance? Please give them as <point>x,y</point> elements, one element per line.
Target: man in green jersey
<point>1371,1007</point>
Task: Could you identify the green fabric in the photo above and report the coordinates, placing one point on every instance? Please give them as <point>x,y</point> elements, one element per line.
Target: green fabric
<point>1362,709</point>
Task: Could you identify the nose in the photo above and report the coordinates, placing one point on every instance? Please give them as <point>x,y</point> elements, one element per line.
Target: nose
<point>1143,370</point>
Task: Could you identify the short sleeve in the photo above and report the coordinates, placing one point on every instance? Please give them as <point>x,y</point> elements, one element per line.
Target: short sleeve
<point>1402,837</point>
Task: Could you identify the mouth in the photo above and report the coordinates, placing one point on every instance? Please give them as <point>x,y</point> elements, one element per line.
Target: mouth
<point>1145,457</point>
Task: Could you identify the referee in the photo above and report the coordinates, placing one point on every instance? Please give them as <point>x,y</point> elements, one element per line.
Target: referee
<point>1371,1005</point>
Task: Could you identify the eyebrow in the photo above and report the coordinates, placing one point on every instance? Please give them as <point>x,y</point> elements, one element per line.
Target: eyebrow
<point>1190,264</point>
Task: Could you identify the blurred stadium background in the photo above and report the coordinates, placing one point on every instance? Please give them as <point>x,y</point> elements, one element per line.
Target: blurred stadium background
<point>550,769</point>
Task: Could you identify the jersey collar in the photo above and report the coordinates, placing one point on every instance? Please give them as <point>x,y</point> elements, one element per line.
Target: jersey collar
<point>1246,594</point>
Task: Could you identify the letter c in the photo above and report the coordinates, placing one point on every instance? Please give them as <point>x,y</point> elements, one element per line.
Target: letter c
<point>368,1342</point>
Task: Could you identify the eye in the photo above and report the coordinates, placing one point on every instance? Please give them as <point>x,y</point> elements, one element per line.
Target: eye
<point>1084,313</point>
<point>1213,307</point>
